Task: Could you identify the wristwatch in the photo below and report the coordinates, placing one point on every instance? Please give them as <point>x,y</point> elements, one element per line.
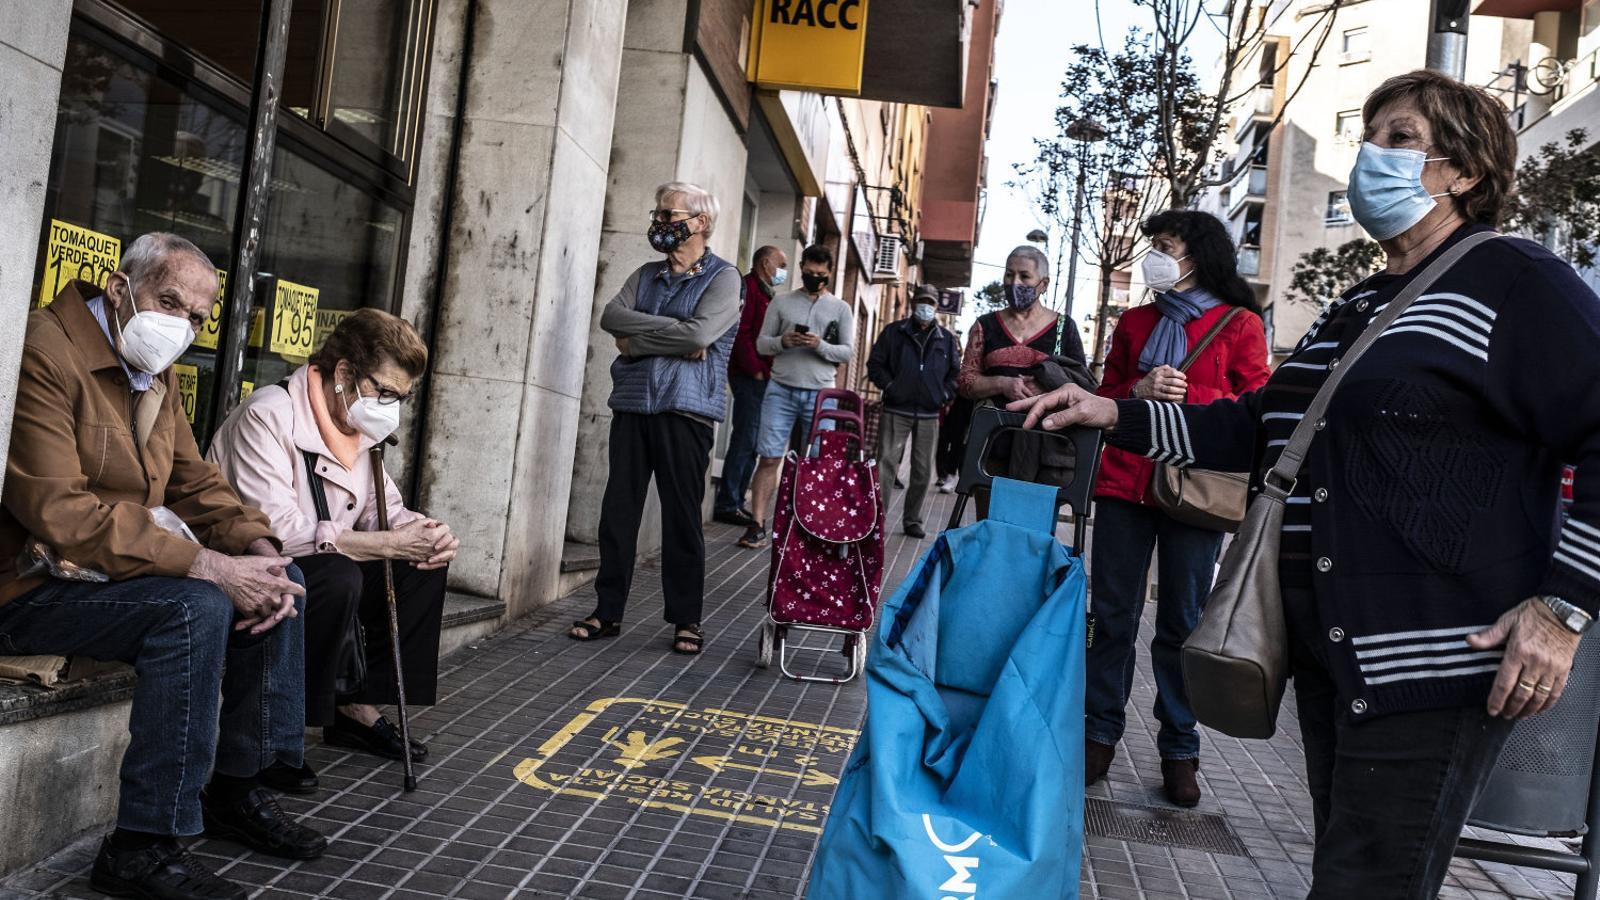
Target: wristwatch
<point>1571,617</point>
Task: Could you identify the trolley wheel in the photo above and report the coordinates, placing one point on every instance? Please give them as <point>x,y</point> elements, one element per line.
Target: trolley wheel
<point>849,648</point>
<point>764,644</point>
<point>861,653</point>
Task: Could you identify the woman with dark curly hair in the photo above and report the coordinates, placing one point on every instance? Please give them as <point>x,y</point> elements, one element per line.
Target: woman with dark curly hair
<point>1431,591</point>
<point>1192,269</point>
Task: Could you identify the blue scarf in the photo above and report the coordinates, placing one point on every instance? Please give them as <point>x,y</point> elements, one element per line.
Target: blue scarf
<point>1169,343</point>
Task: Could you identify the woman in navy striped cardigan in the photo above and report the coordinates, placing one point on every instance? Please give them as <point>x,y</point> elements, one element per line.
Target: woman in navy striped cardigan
<point>1432,593</point>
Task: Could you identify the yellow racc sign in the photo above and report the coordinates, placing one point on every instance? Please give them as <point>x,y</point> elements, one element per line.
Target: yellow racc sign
<point>809,45</point>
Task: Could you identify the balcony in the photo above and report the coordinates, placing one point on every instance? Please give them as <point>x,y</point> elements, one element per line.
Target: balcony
<point>1249,261</point>
<point>1252,188</point>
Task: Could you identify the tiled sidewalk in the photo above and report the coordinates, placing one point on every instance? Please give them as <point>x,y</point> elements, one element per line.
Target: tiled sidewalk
<point>619,770</point>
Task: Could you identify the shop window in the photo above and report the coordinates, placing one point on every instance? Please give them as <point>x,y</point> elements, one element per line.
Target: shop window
<point>328,247</point>
<point>222,31</point>
<point>135,153</point>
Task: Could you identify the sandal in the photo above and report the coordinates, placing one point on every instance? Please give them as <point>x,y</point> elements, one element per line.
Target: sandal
<point>594,628</point>
<point>687,634</point>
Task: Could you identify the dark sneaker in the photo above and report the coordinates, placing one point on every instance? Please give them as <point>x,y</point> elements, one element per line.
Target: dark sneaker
<point>1097,759</point>
<point>738,517</point>
<point>915,531</point>
<point>1178,781</point>
<point>163,872</point>
<point>381,739</point>
<point>257,822</point>
<point>287,779</point>
<point>755,538</point>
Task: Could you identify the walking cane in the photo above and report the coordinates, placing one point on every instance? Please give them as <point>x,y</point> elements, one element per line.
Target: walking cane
<point>381,495</point>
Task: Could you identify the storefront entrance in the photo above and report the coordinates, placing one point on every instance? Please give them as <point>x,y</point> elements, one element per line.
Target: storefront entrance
<point>154,133</point>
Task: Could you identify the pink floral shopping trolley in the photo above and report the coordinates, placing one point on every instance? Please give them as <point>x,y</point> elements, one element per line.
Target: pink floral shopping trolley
<point>827,540</point>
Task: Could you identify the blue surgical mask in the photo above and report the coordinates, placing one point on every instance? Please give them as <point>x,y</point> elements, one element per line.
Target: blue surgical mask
<point>1386,193</point>
<point>923,312</point>
<point>1021,296</point>
<point>780,277</point>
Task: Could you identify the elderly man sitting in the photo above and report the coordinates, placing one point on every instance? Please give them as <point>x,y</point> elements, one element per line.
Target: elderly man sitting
<point>100,452</point>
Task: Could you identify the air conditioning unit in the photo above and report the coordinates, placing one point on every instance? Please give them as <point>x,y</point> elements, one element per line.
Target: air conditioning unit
<point>886,261</point>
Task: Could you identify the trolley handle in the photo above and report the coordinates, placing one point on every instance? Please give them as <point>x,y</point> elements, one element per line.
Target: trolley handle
<point>989,422</point>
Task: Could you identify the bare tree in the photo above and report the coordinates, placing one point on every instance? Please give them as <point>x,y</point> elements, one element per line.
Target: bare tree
<point>1187,120</point>
<point>1105,184</point>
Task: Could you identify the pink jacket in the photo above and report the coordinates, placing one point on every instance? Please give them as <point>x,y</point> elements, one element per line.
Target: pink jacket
<point>258,450</point>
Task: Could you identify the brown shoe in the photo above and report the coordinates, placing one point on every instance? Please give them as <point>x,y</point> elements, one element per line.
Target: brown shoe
<point>1177,779</point>
<point>1096,760</point>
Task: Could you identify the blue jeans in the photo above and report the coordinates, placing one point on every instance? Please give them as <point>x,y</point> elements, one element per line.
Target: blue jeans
<point>175,633</point>
<point>1124,535</point>
<point>740,463</point>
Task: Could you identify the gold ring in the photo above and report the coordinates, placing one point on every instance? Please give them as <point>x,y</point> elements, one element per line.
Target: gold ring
<point>1542,688</point>
<point>1527,685</point>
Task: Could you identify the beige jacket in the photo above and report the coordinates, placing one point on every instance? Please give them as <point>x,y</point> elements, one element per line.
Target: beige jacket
<point>89,458</point>
<point>259,449</point>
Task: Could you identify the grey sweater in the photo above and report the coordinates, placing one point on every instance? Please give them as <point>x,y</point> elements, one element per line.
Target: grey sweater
<point>806,368</point>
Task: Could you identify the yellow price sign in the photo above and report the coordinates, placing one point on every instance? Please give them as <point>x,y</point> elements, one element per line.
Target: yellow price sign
<point>327,321</point>
<point>294,320</point>
<point>258,317</point>
<point>246,388</point>
<point>73,251</point>
<point>188,388</point>
<point>210,331</point>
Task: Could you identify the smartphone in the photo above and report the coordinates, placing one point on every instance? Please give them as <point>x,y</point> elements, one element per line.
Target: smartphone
<point>802,329</point>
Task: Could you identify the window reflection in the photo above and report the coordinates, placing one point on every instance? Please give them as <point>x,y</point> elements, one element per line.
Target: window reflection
<point>328,247</point>
<point>136,153</point>
<point>222,31</point>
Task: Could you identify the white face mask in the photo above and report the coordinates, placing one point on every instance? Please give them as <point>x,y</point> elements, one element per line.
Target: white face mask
<point>152,341</point>
<point>1161,271</point>
<point>373,419</point>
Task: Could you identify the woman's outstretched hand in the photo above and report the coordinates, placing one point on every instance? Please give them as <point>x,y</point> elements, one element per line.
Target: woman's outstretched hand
<point>1065,406</point>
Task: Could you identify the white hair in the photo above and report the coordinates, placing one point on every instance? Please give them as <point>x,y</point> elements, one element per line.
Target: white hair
<point>1041,263</point>
<point>150,254</point>
<point>694,198</point>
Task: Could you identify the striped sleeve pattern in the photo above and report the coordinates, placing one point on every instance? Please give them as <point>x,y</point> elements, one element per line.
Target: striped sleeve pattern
<point>1423,655</point>
<point>1580,548</point>
<point>1169,434</point>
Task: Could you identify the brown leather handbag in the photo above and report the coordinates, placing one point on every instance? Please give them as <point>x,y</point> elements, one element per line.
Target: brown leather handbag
<point>1198,497</point>
<point>1236,662</point>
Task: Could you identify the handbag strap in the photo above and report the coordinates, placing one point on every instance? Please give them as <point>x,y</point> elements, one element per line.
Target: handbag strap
<point>1287,469</point>
<point>1209,337</point>
<point>319,496</point>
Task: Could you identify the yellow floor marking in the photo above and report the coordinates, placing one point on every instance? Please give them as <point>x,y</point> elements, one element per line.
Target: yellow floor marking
<point>793,747</point>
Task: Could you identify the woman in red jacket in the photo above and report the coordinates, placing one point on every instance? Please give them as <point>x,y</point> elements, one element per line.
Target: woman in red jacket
<point>1192,270</point>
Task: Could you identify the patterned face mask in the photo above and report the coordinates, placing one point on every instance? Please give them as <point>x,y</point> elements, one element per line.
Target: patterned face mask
<point>1021,296</point>
<point>666,237</point>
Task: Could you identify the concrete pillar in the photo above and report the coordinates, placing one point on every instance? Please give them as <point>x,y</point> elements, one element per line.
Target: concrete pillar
<point>509,357</point>
<point>33,47</point>
<point>670,127</point>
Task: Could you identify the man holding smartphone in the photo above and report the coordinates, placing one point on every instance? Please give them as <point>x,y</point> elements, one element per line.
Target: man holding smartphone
<point>809,333</point>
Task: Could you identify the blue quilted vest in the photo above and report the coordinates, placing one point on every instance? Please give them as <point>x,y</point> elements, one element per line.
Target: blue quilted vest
<point>656,384</point>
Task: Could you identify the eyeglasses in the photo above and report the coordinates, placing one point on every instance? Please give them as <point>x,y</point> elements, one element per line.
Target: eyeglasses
<point>388,396</point>
<point>666,215</point>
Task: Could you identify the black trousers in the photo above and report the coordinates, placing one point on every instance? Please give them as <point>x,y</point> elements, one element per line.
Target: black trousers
<point>951,450</point>
<point>338,588</point>
<point>1390,796</point>
<point>674,450</point>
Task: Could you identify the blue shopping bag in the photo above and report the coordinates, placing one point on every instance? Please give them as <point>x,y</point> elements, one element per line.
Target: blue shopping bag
<point>968,778</point>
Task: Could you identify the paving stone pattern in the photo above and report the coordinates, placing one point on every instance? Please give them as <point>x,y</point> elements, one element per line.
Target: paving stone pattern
<point>711,795</point>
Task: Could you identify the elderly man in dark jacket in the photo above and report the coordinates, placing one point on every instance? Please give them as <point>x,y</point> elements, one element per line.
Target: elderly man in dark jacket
<point>914,362</point>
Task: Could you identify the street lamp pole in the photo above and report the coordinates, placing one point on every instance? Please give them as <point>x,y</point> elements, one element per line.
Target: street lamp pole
<point>1447,37</point>
<point>1085,131</point>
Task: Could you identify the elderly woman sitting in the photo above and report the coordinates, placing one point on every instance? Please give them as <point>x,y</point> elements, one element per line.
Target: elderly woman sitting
<point>298,451</point>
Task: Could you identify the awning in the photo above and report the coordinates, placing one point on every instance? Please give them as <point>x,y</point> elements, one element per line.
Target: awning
<point>1521,9</point>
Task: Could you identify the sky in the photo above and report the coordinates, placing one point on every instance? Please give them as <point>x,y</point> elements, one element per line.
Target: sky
<point>1031,55</point>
